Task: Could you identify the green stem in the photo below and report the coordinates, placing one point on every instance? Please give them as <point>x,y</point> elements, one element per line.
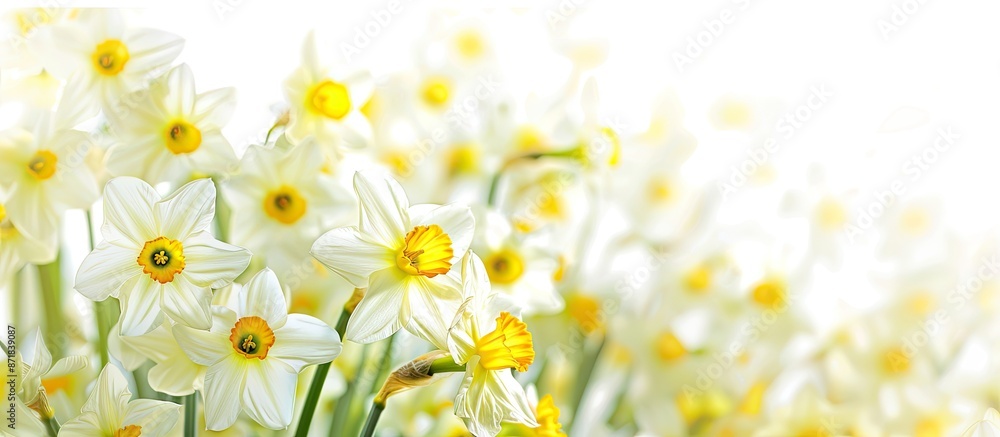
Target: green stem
<point>100,308</point>
<point>222,213</point>
<point>49,279</point>
<point>52,425</point>
<point>372,421</point>
<point>384,367</point>
<point>319,378</point>
<point>583,377</point>
<point>343,405</point>
<point>446,364</point>
<point>495,182</point>
<point>190,415</point>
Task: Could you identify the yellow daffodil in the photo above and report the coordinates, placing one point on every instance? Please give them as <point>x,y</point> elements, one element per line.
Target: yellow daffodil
<point>254,355</point>
<point>158,256</point>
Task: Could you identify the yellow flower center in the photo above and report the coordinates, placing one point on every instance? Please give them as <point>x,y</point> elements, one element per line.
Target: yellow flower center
<point>930,427</point>
<point>182,137</point>
<point>436,91</point>
<point>504,267</point>
<point>528,138</point>
<point>698,279</point>
<point>3,212</point>
<point>660,190</point>
<point>830,215</point>
<point>547,416</point>
<point>42,165</point>
<point>129,431</point>
<point>110,57</point>
<point>586,311</point>
<point>734,115</point>
<point>507,347</point>
<point>895,362</point>
<point>329,99</point>
<point>769,293</point>
<point>285,204</point>
<point>754,399</point>
<point>469,44</point>
<point>463,159</point>
<point>251,337</point>
<point>161,259</point>
<point>814,431</point>
<point>669,348</point>
<point>426,251</point>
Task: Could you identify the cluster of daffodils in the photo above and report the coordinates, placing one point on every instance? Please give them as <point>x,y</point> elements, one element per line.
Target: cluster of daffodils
<point>435,253</point>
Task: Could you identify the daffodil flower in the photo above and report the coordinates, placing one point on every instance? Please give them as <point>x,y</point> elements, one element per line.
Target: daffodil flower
<point>110,411</point>
<point>158,256</point>
<point>173,132</point>
<point>489,339</point>
<point>174,373</point>
<point>40,372</point>
<point>254,355</point>
<point>403,255</point>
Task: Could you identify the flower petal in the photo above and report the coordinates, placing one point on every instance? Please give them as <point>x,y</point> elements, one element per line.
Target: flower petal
<point>187,304</point>
<point>128,211</point>
<point>269,394</point>
<point>207,348</point>
<point>262,297</point>
<point>344,251</point>
<point>488,398</point>
<point>382,311</point>
<point>180,92</point>
<point>176,376</point>
<point>212,263</point>
<point>140,303</point>
<point>105,270</point>
<point>224,384</point>
<point>150,49</point>
<point>305,340</point>
<point>156,418</point>
<point>215,107</point>
<point>188,210</point>
<point>383,206</point>
<point>433,304</point>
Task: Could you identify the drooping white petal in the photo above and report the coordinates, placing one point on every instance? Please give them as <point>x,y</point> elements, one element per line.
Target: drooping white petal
<point>382,311</point>
<point>456,220</point>
<point>41,359</point>
<point>175,376</point>
<point>262,297</point>
<point>104,270</point>
<point>140,303</point>
<point>156,418</point>
<point>487,398</point>
<point>188,210</point>
<point>128,211</point>
<point>224,384</point>
<point>212,263</point>
<point>305,340</point>
<point>383,206</point>
<point>460,342</point>
<point>207,348</point>
<point>187,304</point>
<point>433,303</point>
<point>269,394</point>
<point>67,366</point>
<point>348,254</point>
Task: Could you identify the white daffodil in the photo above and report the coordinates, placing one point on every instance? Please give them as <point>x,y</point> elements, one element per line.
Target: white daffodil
<point>113,59</point>
<point>158,256</point>
<point>173,132</point>
<point>16,249</point>
<point>35,385</point>
<point>110,411</point>
<point>404,256</point>
<point>254,355</point>
<point>327,106</point>
<point>489,339</point>
<point>174,373</point>
<point>988,427</point>
<point>281,202</point>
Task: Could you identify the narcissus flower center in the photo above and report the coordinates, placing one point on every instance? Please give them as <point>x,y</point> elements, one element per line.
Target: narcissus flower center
<point>42,165</point>
<point>285,204</point>
<point>769,293</point>
<point>251,337</point>
<point>182,137</point>
<point>110,57</point>
<point>669,348</point>
<point>698,279</point>
<point>507,347</point>
<point>504,267</point>
<point>161,259</point>
<point>426,252</point>
<point>329,99</point>
<point>436,91</point>
<point>895,361</point>
<point>129,431</point>
<point>469,44</point>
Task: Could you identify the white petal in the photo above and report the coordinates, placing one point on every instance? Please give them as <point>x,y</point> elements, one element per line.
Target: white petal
<point>140,303</point>
<point>156,418</point>
<point>262,297</point>
<point>186,303</point>
<point>211,263</point>
<point>460,342</point>
<point>215,108</point>
<point>433,304</point>
<point>87,424</point>
<point>345,252</point>
<point>110,395</point>
<point>32,212</point>
<point>383,206</point>
<point>269,394</point>
<point>180,91</point>
<point>207,348</point>
<point>382,311</point>
<point>105,269</point>
<point>150,48</point>
<point>175,376</point>
<point>305,340</point>
<point>488,398</point>
<point>188,210</point>
<point>128,211</point>
<point>456,220</point>
<point>67,366</point>
<point>224,384</point>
